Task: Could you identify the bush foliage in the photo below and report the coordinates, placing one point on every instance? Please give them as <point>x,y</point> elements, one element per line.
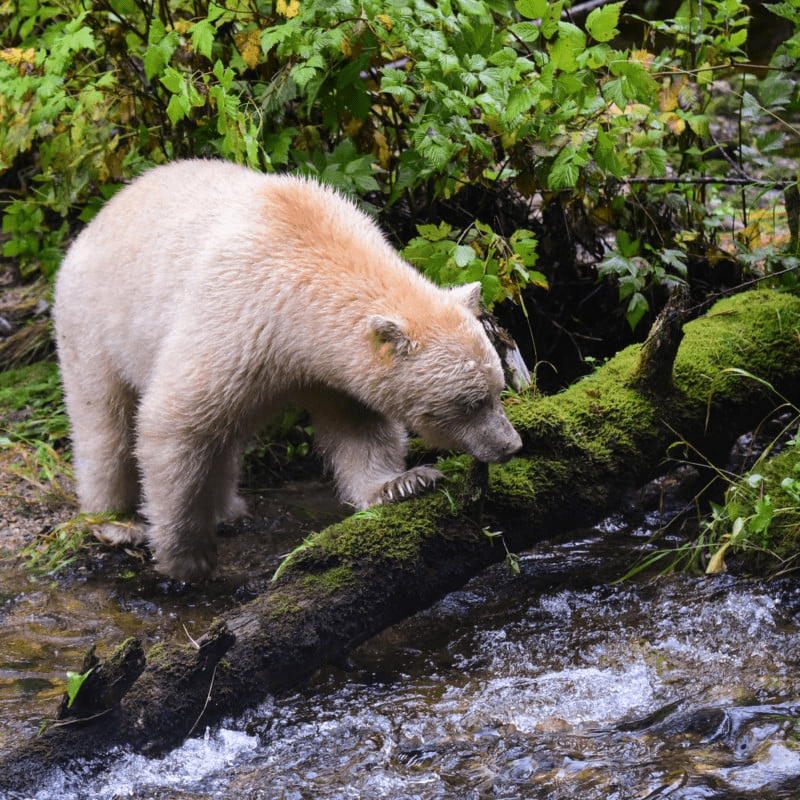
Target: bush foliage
<point>405,104</point>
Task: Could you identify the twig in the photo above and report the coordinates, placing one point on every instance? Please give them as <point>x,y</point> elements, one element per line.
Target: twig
<point>205,705</point>
<point>189,637</point>
<point>701,180</point>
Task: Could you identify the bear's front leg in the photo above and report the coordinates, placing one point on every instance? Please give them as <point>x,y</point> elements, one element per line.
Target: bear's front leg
<point>366,452</point>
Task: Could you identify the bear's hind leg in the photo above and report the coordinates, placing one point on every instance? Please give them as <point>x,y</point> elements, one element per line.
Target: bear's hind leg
<point>366,453</point>
<point>223,481</point>
<point>101,411</point>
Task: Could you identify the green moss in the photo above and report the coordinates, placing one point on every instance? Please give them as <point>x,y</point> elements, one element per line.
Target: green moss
<point>385,533</point>
<point>161,655</point>
<point>282,605</point>
<point>754,331</point>
<point>330,581</point>
<point>392,532</point>
<point>595,417</point>
<point>523,478</point>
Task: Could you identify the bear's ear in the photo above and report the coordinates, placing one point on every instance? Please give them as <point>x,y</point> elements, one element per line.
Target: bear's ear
<point>469,296</point>
<point>391,331</point>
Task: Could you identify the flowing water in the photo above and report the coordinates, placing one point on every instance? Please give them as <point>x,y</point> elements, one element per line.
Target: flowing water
<point>554,683</point>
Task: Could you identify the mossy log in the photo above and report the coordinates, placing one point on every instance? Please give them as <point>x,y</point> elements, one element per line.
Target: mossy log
<point>584,449</point>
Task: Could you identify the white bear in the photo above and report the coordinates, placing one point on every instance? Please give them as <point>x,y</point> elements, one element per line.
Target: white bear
<point>203,298</point>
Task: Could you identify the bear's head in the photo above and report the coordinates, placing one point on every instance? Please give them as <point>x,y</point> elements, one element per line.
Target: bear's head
<point>443,378</point>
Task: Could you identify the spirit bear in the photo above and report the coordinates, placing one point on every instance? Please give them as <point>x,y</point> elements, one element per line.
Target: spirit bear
<point>203,298</point>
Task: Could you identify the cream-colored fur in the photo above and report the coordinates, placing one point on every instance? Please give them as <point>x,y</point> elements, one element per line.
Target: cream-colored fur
<point>203,298</point>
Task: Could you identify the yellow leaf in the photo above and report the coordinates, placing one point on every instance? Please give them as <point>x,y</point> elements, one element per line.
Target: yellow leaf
<point>386,21</point>
<point>16,56</point>
<point>288,10</point>
<point>248,43</point>
<point>353,127</point>
<point>716,563</point>
<point>346,47</point>
<point>674,123</point>
<point>381,150</point>
<point>751,235</point>
<point>643,56</point>
<point>668,97</point>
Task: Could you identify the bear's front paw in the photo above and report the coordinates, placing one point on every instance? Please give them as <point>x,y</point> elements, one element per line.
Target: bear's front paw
<point>122,532</point>
<point>411,483</point>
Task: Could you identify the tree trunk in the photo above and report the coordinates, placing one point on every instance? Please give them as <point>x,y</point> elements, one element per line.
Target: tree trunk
<point>584,449</point>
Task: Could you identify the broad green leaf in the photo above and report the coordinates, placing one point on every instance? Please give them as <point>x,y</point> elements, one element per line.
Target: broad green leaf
<point>520,100</point>
<point>157,32</point>
<point>434,233</point>
<point>601,23</point>
<point>203,37</point>
<point>550,19</point>
<point>564,172</point>
<point>605,154</point>
<point>463,255</point>
<point>178,108</point>
<point>658,159</point>
<point>526,31</point>
<point>763,516</point>
<point>564,51</point>
<point>524,243</point>
<point>533,9</point>
<point>637,308</point>
<point>173,80</point>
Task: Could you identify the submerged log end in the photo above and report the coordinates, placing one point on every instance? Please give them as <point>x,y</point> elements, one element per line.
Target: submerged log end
<point>105,682</point>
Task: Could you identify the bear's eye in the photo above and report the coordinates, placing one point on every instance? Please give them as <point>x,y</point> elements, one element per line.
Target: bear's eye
<point>473,405</point>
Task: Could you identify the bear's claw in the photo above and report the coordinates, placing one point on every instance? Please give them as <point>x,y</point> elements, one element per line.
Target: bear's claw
<point>411,483</point>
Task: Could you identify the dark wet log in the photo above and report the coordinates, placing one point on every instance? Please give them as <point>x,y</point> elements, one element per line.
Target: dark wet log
<point>584,449</point>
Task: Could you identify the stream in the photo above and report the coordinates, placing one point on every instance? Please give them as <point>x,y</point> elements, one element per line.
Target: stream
<point>556,682</point>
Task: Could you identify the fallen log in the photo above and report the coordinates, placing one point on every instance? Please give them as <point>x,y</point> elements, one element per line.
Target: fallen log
<point>584,449</point>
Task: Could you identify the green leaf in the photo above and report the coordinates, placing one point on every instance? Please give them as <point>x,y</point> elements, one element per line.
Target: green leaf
<point>601,23</point>
<point>565,170</point>
<point>173,80</point>
<point>524,244</point>
<point>178,108</point>
<point>74,682</point>
<point>434,233</point>
<point>564,51</point>
<point>763,516</point>
<point>491,289</point>
<point>658,158</point>
<point>203,37</point>
<point>533,9</point>
<point>157,32</point>
<point>463,255</point>
<point>637,308</point>
<point>395,82</point>
<point>525,31</point>
<point>520,100</point>
<point>606,156</point>
<point>550,19</point>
